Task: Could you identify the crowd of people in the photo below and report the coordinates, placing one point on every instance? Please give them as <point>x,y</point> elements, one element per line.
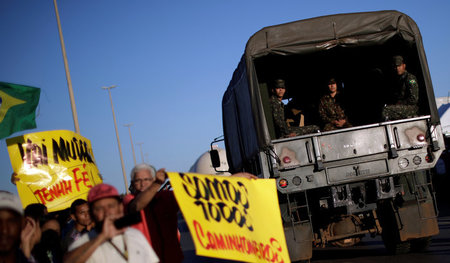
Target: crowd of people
<point>331,108</point>
<point>89,232</point>
<point>107,227</point>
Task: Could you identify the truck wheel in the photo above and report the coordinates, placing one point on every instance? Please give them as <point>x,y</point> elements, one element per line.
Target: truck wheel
<point>397,248</point>
<point>420,244</point>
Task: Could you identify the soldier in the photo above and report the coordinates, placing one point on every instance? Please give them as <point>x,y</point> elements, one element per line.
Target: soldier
<point>406,94</point>
<point>277,105</point>
<point>330,109</point>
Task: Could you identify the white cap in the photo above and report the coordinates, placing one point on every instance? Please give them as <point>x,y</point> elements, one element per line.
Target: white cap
<point>10,201</point>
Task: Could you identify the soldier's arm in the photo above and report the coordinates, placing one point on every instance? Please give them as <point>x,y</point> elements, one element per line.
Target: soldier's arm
<point>323,111</point>
<point>413,91</point>
<point>278,119</point>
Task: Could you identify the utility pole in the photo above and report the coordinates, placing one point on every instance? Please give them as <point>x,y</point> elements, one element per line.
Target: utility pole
<point>142,154</point>
<point>131,140</point>
<point>117,135</point>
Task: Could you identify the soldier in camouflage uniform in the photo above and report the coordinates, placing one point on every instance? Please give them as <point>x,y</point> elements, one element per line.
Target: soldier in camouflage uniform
<point>407,94</point>
<point>282,129</point>
<point>330,110</point>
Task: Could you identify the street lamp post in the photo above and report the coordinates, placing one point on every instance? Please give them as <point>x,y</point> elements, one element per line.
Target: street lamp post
<point>66,66</point>
<point>142,154</point>
<point>117,135</point>
<point>131,140</point>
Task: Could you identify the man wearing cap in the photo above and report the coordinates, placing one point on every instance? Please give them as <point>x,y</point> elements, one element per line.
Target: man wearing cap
<point>11,223</point>
<point>330,109</point>
<point>279,118</point>
<point>107,243</point>
<point>406,94</point>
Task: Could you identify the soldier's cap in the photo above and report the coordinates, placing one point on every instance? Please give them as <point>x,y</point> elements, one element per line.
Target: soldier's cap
<point>279,83</point>
<point>332,81</point>
<point>11,202</point>
<point>101,191</point>
<point>397,60</point>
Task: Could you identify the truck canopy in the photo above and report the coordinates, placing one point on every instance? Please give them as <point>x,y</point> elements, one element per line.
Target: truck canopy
<point>355,48</point>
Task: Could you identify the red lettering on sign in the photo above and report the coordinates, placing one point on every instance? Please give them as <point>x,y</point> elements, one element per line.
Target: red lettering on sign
<point>48,194</point>
<point>270,252</point>
<point>63,188</point>
<point>82,179</point>
<point>199,232</point>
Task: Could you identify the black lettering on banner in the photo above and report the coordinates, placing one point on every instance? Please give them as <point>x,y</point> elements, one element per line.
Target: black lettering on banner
<point>219,199</point>
<point>33,154</point>
<point>75,149</point>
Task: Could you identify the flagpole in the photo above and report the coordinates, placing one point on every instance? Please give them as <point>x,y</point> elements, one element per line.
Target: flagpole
<point>66,65</point>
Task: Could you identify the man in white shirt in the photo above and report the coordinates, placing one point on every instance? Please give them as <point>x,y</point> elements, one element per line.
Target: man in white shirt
<point>107,243</point>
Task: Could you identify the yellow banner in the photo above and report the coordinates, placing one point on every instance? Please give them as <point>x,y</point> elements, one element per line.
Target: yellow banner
<point>232,217</point>
<point>54,168</point>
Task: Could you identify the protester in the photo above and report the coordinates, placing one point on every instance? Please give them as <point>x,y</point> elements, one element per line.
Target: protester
<point>79,212</point>
<point>11,223</point>
<point>142,176</point>
<point>49,249</point>
<point>106,243</point>
<point>34,216</point>
<point>160,208</point>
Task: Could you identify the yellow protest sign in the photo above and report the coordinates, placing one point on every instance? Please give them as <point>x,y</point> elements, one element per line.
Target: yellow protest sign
<point>231,217</point>
<point>54,167</point>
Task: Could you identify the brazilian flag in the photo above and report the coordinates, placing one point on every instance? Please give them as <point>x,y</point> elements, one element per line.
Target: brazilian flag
<point>17,108</point>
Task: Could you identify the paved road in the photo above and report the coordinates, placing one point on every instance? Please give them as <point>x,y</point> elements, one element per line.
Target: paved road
<point>372,249</point>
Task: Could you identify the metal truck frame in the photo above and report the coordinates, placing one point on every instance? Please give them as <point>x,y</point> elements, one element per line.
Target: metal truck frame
<point>337,186</point>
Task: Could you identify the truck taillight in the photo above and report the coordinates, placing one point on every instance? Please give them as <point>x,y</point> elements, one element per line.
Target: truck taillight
<point>421,137</point>
<point>286,159</point>
<point>283,183</point>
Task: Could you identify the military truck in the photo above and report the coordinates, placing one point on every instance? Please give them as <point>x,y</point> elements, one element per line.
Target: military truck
<point>337,186</point>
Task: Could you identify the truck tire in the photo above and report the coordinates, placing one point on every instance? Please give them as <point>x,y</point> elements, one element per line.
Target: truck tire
<point>395,247</point>
<point>420,244</point>
<point>390,233</point>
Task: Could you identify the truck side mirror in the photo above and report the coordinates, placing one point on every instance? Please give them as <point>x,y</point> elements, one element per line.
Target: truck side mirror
<point>215,159</point>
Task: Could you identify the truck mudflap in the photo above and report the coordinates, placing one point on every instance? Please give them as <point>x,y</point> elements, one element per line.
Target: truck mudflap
<point>409,221</point>
<point>299,241</point>
<point>417,221</point>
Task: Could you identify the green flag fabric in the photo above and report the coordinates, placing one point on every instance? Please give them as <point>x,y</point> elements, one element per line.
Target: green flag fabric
<point>17,108</point>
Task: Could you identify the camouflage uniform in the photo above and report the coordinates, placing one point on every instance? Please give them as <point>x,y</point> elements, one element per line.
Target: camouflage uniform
<point>407,99</point>
<point>281,127</point>
<point>330,110</point>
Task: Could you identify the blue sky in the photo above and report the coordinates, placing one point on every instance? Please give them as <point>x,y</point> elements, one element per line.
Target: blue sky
<point>171,62</point>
